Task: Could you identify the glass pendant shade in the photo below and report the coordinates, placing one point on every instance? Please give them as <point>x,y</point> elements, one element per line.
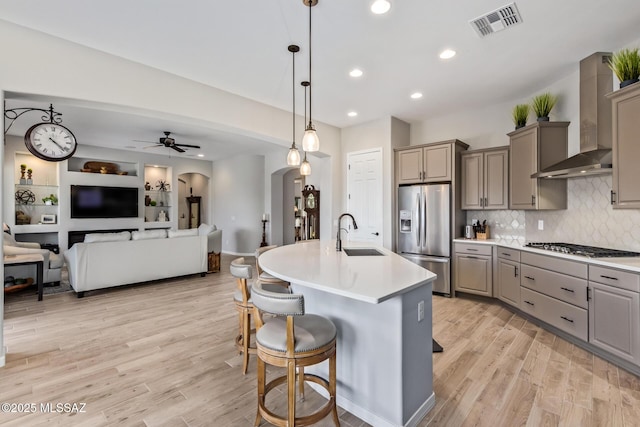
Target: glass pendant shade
<point>305,168</point>
<point>293,158</point>
<point>310,141</point>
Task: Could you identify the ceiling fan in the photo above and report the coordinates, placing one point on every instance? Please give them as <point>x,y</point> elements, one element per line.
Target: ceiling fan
<point>169,142</point>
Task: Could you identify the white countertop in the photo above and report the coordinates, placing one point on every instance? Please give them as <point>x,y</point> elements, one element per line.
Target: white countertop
<point>318,265</point>
<point>628,264</point>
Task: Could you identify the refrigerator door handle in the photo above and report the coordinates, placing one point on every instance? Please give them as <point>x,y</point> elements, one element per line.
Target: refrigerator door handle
<point>419,234</point>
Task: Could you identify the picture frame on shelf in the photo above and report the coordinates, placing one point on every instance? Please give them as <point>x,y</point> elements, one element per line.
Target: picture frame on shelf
<point>48,219</point>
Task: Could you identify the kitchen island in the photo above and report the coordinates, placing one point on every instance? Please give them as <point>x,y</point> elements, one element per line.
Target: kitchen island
<point>381,306</point>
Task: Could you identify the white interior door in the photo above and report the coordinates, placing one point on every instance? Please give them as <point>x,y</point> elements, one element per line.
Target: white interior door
<point>364,198</point>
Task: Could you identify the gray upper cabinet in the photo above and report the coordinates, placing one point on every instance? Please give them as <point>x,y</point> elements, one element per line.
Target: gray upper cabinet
<point>626,147</point>
<point>485,179</point>
<point>534,148</point>
<point>424,164</point>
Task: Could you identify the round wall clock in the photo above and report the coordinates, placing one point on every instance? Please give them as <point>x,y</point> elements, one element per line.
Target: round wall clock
<point>50,141</point>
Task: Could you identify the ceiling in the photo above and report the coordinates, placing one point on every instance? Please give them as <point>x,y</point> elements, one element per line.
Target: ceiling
<point>241,47</point>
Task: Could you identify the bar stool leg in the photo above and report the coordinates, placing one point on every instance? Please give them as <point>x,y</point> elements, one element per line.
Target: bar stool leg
<point>332,388</point>
<point>240,330</point>
<point>261,382</point>
<point>301,382</point>
<point>291,385</point>
<point>246,337</point>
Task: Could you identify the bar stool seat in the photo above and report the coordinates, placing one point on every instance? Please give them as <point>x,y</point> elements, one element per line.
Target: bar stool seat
<point>293,340</point>
<point>263,276</point>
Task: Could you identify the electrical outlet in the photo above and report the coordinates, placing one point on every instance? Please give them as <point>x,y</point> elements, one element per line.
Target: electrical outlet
<point>540,224</point>
<point>420,311</point>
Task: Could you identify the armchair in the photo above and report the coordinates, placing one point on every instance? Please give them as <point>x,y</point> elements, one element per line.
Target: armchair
<point>52,264</point>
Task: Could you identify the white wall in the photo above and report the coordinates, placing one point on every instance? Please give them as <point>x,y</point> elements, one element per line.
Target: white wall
<point>240,202</point>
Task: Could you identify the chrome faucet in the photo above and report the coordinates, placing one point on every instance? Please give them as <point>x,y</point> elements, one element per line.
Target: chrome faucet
<point>355,227</point>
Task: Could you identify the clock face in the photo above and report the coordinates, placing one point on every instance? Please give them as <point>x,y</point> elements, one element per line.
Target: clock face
<point>50,141</point>
<point>311,202</point>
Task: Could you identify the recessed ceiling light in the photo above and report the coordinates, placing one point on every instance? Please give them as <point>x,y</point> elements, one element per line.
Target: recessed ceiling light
<point>447,54</point>
<point>200,155</point>
<point>352,114</point>
<point>380,6</point>
<point>356,72</point>
<point>416,95</point>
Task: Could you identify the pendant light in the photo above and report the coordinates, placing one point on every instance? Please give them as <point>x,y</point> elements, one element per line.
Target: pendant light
<point>293,157</point>
<point>305,168</point>
<point>310,141</point>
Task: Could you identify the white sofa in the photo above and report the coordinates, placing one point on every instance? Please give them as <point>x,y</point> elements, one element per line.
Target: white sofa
<point>112,259</point>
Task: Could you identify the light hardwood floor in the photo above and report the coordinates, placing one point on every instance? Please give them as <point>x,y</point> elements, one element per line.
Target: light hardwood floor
<point>162,354</point>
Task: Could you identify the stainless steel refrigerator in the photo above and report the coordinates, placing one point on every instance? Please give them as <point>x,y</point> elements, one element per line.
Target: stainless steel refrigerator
<point>424,230</point>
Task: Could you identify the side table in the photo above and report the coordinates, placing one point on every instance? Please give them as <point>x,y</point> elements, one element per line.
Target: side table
<point>28,259</point>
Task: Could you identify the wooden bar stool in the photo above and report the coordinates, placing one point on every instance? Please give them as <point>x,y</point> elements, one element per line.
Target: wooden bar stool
<point>263,276</point>
<point>293,342</point>
<point>242,298</point>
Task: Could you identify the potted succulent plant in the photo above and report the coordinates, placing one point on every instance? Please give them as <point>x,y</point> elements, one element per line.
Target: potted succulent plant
<point>542,105</point>
<point>520,114</point>
<point>625,64</point>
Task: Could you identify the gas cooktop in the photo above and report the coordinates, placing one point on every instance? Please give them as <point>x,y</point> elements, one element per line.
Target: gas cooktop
<point>588,251</point>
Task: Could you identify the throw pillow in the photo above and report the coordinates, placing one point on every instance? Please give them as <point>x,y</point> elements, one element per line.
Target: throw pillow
<point>107,237</point>
<point>148,234</point>
<point>182,233</point>
<point>205,229</point>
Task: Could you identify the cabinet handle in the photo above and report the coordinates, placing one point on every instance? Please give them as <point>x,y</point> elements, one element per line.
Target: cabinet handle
<point>481,199</point>
<point>515,272</point>
<point>533,200</point>
<point>530,278</point>
<point>528,302</point>
<point>588,294</point>
<point>613,199</point>
<point>505,254</point>
<point>608,277</point>
<point>472,250</point>
<point>568,290</point>
<point>472,257</point>
<point>566,318</point>
<point>485,202</point>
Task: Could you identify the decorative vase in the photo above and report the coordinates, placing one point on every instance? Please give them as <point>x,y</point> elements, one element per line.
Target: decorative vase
<point>543,119</point>
<point>29,181</point>
<point>628,82</point>
<point>147,200</point>
<point>23,181</point>
<point>520,126</point>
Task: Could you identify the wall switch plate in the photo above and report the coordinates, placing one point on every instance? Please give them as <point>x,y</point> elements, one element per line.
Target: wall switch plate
<point>420,311</point>
<point>540,224</point>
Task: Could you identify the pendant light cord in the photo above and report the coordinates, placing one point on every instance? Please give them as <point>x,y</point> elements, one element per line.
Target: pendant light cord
<point>310,81</point>
<point>293,96</point>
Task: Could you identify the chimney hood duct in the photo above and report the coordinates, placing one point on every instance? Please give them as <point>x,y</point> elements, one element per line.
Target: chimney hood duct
<point>595,158</point>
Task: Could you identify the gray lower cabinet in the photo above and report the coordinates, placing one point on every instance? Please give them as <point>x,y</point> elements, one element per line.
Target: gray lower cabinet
<point>555,291</point>
<point>509,276</point>
<point>614,312</point>
<point>473,270</point>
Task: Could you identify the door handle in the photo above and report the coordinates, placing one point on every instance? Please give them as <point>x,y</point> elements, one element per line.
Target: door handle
<point>481,200</point>
<point>485,202</point>
<point>376,233</point>
<point>418,219</point>
<point>613,201</point>
<point>568,290</point>
<point>515,272</point>
<point>533,200</point>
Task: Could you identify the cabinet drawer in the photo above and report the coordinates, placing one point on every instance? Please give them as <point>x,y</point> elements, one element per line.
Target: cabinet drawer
<point>566,288</point>
<point>475,249</point>
<point>615,278</point>
<point>508,253</point>
<point>565,266</point>
<point>569,318</point>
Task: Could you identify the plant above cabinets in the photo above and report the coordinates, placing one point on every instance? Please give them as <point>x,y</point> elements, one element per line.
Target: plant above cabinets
<point>542,105</point>
<point>625,64</point>
<point>520,115</point>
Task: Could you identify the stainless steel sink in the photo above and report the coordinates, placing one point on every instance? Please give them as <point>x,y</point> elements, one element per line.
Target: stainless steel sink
<point>362,252</point>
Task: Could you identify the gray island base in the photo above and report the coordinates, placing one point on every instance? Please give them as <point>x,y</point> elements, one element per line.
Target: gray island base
<point>384,352</point>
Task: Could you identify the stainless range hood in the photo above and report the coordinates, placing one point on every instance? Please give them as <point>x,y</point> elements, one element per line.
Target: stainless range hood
<point>596,80</point>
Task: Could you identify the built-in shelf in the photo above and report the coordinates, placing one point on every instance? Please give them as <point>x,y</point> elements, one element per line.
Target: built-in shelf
<point>121,168</point>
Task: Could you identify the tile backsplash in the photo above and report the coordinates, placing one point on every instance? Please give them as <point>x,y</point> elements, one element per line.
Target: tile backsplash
<point>588,220</point>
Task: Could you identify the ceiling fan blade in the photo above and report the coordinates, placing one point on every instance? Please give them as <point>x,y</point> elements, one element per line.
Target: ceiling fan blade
<point>187,145</point>
<point>140,140</point>
<point>152,146</point>
<point>178,149</point>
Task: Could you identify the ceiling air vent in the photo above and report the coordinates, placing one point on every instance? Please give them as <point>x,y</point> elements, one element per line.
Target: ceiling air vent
<point>498,20</point>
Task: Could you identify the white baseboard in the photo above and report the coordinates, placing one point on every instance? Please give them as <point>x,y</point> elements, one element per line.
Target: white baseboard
<point>371,418</point>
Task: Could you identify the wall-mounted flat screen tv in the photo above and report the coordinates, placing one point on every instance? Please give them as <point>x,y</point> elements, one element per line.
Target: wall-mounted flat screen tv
<point>88,201</point>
